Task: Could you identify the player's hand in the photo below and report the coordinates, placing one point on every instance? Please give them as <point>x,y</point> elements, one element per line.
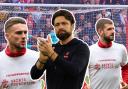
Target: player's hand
<point>45,46</point>
<point>43,55</point>
<point>85,86</point>
<point>124,85</point>
<point>4,86</point>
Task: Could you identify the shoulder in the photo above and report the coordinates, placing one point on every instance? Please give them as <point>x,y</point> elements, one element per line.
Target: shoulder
<point>32,55</point>
<point>31,52</point>
<point>2,52</point>
<point>83,44</point>
<point>80,42</point>
<point>118,46</point>
<point>93,46</point>
<point>3,56</point>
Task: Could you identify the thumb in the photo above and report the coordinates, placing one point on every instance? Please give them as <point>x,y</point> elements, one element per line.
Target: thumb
<point>53,48</point>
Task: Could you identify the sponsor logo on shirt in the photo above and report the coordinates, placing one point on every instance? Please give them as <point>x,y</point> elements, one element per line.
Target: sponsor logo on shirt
<point>105,64</point>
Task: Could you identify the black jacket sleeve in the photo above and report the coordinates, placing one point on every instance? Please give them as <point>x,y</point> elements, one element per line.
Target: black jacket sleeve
<point>36,73</point>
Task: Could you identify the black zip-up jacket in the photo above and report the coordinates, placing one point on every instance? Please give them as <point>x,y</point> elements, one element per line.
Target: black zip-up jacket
<point>68,70</point>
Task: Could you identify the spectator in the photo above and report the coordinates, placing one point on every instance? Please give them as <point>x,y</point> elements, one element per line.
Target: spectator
<point>104,14</point>
<point>85,1</point>
<point>118,2</point>
<point>105,2</point>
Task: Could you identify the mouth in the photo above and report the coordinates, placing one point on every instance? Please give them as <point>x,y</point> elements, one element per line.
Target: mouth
<point>111,35</point>
<point>61,31</point>
<point>23,42</point>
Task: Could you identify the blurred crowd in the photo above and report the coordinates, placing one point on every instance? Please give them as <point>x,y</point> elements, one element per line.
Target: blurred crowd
<point>102,2</point>
<point>40,25</point>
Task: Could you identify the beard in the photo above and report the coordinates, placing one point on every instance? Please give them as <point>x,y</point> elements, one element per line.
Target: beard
<point>19,46</point>
<point>63,35</point>
<point>109,38</point>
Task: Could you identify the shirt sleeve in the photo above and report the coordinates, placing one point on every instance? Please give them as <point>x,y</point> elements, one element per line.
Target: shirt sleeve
<point>36,73</point>
<point>124,56</point>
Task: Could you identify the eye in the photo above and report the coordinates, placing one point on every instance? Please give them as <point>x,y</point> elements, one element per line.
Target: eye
<point>19,32</point>
<point>108,29</point>
<point>64,23</point>
<point>57,24</point>
<point>25,32</point>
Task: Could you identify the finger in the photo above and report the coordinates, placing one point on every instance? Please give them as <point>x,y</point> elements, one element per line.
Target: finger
<point>41,48</point>
<point>4,86</point>
<point>49,39</point>
<point>43,51</point>
<point>42,43</point>
<point>39,39</point>
<point>123,83</point>
<point>53,48</point>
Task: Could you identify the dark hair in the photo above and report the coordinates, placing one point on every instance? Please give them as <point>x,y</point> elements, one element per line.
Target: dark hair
<point>12,21</point>
<point>62,12</point>
<point>101,23</point>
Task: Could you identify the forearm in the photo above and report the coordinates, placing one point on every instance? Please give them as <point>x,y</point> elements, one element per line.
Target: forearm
<point>40,64</point>
<point>36,73</point>
<point>41,61</point>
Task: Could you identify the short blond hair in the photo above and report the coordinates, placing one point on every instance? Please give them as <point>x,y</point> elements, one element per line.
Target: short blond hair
<point>100,23</point>
<point>12,21</point>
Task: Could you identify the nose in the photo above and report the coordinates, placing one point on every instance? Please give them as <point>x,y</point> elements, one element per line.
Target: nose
<point>113,31</point>
<point>24,35</point>
<point>60,26</point>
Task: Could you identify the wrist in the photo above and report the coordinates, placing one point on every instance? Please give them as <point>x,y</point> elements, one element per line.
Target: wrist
<point>54,56</point>
<point>51,54</point>
<point>41,62</point>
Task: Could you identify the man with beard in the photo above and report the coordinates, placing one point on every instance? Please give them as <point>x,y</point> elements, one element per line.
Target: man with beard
<point>65,62</point>
<point>106,58</point>
<point>16,60</point>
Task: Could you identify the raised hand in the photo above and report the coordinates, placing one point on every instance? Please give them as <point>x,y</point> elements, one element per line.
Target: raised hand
<point>4,86</point>
<point>45,46</point>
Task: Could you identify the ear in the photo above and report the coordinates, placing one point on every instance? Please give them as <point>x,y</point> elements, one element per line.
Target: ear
<point>73,26</point>
<point>6,35</point>
<point>100,32</point>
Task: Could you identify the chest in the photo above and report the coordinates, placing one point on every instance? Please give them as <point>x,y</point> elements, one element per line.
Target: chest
<point>66,52</point>
<point>106,59</point>
<point>16,72</point>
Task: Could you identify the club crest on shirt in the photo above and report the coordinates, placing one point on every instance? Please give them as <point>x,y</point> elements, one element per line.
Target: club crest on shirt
<point>66,55</point>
